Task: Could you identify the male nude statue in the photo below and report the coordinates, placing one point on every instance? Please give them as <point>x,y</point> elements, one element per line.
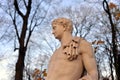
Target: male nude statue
<point>74,54</point>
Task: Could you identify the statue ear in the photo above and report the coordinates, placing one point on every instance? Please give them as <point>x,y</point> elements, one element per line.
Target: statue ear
<point>65,27</point>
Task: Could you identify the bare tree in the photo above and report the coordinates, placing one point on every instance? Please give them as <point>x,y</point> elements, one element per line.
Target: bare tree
<point>26,15</point>
<point>83,18</point>
<point>114,44</point>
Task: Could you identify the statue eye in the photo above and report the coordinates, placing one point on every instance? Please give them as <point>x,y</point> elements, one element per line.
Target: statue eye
<point>54,27</point>
<point>61,22</point>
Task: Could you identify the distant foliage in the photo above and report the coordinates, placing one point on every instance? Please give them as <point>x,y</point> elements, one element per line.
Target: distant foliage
<point>39,75</point>
<point>115,10</point>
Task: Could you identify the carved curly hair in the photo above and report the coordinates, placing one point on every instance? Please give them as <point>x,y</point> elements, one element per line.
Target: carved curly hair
<point>64,22</point>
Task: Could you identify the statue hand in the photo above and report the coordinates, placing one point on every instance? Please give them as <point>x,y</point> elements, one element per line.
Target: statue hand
<point>71,49</point>
<point>86,77</point>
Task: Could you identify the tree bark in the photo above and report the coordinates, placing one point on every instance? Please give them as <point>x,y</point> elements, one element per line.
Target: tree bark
<point>20,64</point>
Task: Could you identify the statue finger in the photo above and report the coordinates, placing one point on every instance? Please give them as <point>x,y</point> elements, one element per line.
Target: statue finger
<point>70,58</point>
<point>73,53</point>
<point>70,49</point>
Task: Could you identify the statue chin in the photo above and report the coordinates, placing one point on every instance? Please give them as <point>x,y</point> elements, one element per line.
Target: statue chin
<point>57,38</point>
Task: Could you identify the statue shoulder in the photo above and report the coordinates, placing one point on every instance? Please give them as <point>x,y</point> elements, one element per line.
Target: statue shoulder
<point>79,40</point>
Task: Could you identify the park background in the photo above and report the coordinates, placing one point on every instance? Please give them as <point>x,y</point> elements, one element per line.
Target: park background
<point>26,42</point>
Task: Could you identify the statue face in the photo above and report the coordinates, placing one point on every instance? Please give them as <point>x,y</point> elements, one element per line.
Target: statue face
<point>57,31</point>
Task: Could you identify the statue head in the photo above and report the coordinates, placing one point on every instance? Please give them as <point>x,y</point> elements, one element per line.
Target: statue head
<point>67,23</point>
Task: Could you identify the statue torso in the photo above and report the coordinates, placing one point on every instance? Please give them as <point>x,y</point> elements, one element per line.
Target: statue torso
<point>60,68</point>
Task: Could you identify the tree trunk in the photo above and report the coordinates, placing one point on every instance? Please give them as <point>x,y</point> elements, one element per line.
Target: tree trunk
<point>114,39</point>
<point>20,64</point>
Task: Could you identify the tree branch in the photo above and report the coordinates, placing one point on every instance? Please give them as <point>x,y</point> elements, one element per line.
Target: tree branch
<point>14,23</point>
<point>28,8</point>
<point>25,3</point>
<point>17,8</point>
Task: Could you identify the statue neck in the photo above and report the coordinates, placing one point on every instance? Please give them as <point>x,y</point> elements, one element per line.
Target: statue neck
<point>66,38</point>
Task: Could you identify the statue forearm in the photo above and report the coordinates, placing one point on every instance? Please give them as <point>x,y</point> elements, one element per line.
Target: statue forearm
<point>94,76</point>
